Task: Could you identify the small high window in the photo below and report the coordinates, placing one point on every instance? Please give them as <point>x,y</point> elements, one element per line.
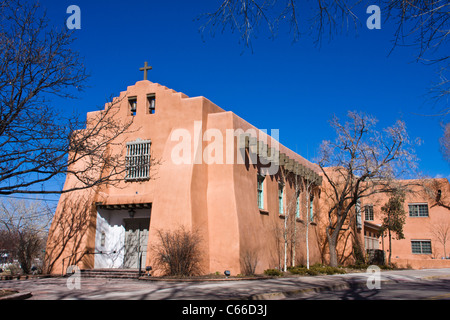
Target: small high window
<point>133,105</point>
<point>368,212</point>
<point>151,103</point>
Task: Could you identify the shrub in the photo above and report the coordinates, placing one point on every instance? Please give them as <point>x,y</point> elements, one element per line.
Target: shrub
<point>316,269</point>
<point>273,272</point>
<point>178,253</point>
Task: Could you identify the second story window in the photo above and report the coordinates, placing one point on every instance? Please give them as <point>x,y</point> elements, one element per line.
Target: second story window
<point>368,212</point>
<point>138,160</point>
<point>418,209</point>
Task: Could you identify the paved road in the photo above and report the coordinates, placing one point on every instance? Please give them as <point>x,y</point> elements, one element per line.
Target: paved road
<point>277,288</point>
<point>438,289</point>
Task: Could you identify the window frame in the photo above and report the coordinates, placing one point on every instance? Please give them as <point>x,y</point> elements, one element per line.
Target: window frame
<point>421,241</point>
<point>367,214</point>
<point>260,191</point>
<point>281,198</point>
<point>138,160</point>
<point>418,204</point>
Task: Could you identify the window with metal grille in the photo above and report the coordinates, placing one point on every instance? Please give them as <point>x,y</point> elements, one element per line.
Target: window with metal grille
<point>368,212</point>
<point>418,210</point>
<point>421,246</point>
<point>138,160</point>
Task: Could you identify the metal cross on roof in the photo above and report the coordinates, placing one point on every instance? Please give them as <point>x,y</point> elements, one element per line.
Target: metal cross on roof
<point>145,69</point>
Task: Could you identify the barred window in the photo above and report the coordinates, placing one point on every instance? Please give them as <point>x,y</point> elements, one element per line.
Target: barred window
<point>418,210</point>
<point>368,212</point>
<point>138,160</point>
<point>421,246</point>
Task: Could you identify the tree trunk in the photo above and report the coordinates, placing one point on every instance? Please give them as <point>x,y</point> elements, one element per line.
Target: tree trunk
<point>307,228</point>
<point>333,255</point>
<point>390,247</point>
<point>333,251</point>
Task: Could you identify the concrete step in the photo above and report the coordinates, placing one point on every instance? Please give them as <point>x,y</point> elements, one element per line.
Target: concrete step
<point>111,273</point>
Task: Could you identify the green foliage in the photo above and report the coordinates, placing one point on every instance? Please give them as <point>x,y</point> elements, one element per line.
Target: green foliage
<point>315,270</point>
<point>273,272</point>
<point>394,214</point>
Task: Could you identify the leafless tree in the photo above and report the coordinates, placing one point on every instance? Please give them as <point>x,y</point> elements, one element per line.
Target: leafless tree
<point>441,231</point>
<point>37,142</point>
<point>360,162</point>
<point>24,224</point>
<point>426,22</point>
<point>445,143</point>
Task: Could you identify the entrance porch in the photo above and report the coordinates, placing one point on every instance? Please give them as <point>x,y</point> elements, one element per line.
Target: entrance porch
<point>121,236</point>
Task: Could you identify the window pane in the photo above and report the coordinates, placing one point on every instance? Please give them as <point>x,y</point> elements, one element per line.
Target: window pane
<point>413,212</point>
<point>426,247</point>
<point>415,245</point>
<point>423,210</point>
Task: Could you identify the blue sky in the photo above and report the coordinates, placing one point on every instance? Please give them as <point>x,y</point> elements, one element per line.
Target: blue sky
<point>293,87</point>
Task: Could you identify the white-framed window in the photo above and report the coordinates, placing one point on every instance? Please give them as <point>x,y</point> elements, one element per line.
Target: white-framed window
<point>311,208</point>
<point>418,209</point>
<point>368,212</point>
<point>280,198</point>
<point>421,246</point>
<point>260,188</point>
<point>138,160</point>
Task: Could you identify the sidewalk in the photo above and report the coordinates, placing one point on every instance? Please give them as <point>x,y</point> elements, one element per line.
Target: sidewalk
<point>275,288</point>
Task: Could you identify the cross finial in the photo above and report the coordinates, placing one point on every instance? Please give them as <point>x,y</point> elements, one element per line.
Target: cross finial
<point>145,69</point>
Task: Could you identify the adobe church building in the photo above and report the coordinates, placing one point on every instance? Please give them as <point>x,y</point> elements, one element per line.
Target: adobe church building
<point>216,174</point>
<point>255,203</point>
